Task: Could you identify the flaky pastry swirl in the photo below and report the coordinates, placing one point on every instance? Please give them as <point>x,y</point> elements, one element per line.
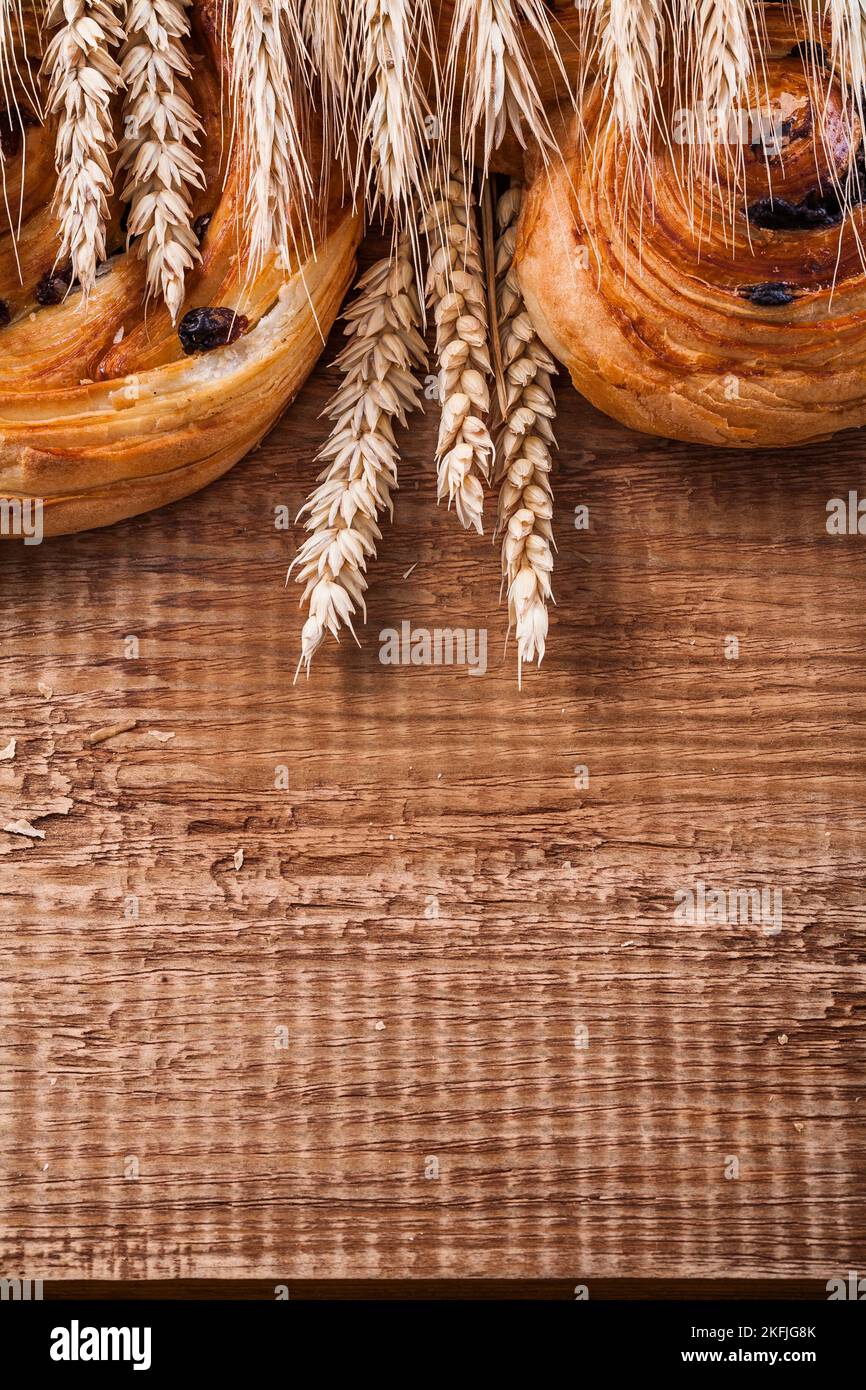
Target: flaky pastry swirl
<point>677,320</point>
<point>102,415</point>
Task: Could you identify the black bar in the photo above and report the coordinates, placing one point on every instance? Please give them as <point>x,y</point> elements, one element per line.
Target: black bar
<point>249,1335</point>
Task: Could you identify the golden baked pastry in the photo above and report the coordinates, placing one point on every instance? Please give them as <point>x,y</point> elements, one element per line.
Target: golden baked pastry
<point>102,413</point>
<point>744,334</point>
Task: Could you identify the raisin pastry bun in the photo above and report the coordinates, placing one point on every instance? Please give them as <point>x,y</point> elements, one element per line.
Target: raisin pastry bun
<point>718,320</point>
<point>107,409</point>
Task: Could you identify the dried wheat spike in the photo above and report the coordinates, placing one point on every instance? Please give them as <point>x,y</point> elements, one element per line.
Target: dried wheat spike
<point>723,53</point>
<point>630,44</point>
<point>498,84</point>
<point>525,445</point>
<point>456,292</point>
<point>385,349</point>
<point>83,77</point>
<point>395,35</point>
<point>268,58</point>
<point>158,147</point>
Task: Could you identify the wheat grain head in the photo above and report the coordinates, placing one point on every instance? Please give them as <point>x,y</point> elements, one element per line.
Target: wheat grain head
<point>158,148</point>
<point>379,363</point>
<point>83,78</point>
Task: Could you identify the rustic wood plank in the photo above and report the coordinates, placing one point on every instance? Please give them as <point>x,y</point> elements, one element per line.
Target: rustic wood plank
<point>433,910</point>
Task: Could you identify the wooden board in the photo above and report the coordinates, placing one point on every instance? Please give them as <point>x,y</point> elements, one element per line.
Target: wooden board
<point>502,1053</point>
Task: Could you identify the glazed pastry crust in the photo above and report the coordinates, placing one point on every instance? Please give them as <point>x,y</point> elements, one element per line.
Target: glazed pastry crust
<point>661,326</point>
<point>102,416</point>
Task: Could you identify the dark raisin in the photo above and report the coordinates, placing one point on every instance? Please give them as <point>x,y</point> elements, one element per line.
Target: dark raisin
<point>5,313</point>
<point>818,209</point>
<point>202,330</point>
<point>54,285</point>
<point>200,226</point>
<point>773,295</point>
<point>823,207</point>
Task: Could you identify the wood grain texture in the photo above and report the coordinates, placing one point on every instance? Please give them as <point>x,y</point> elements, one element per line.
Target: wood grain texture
<point>432,910</point>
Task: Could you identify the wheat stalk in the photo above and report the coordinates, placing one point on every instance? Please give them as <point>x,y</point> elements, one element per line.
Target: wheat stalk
<point>158,146</point>
<point>267,104</point>
<point>395,135</point>
<point>525,445</point>
<point>456,292</point>
<point>630,46</point>
<point>721,64</point>
<point>379,388</point>
<point>499,87</point>
<point>83,78</point>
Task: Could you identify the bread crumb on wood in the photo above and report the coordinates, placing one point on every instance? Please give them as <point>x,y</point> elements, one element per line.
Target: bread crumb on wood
<point>239,859</point>
<point>8,753</point>
<point>45,690</point>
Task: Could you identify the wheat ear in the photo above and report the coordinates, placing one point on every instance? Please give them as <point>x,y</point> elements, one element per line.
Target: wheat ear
<point>724,53</point>
<point>722,61</point>
<point>456,292</point>
<point>158,146</point>
<point>395,109</point>
<point>525,451</point>
<point>380,387</point>
<point>713,63</point>
<point>83,78</point>
<point>499,86</point>
<point>630,48</point>
<point>266,87</point>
